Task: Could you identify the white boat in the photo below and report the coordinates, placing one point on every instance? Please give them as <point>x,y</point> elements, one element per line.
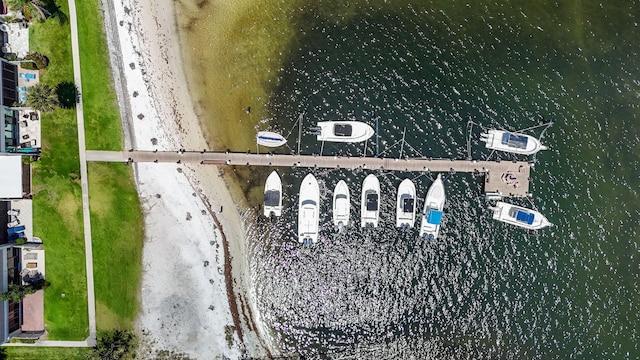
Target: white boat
<point>341,205</point>
<point>519,216</point>
<point>308,210</point>
<point>406,204</point>
<point>511,142</point>
<point>273,195</point>
<point>343,131</point>
<point>270,139</point>
<point>432,210</point>
<point>370,201</point>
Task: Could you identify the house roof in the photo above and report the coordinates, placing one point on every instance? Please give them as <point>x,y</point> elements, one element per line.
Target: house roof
<point>10,177</point>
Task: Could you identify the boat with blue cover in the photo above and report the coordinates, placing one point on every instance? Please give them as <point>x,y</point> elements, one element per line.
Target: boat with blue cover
<point>433,210</point>
<point>270,139</point>
<point>512,142</point>
<point>519,216</point>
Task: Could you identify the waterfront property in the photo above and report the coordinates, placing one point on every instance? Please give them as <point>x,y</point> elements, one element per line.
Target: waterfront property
<point>22,260</point>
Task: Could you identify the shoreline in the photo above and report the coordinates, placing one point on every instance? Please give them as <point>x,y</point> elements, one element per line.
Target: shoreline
<point>182,231</point>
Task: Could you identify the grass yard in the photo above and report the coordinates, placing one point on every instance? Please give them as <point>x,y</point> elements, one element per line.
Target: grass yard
<point>116,216</point>
<point>117,225</point>
<point>115,210</point>
<point>49,353</point>
<point>57,207</point>
<point>102,124</point>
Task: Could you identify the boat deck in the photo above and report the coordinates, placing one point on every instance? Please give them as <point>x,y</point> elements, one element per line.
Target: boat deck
<point>508,178</point>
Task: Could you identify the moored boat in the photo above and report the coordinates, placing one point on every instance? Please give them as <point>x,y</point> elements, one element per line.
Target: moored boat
<point>341,205</point>
<point>519,216</point>
<point>406,204</point>
<point>512,142</point>
<point>270,139</point>
<point>273,195</point>
<point>433,210</point>
<point>308,210</point>
<point>370,201</point>
<point>343,131</point>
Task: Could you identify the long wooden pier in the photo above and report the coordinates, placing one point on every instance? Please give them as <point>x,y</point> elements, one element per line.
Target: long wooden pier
<point>507,178</point>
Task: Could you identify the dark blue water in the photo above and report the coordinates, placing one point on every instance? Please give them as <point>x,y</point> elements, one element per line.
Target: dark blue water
<point>483,289</point>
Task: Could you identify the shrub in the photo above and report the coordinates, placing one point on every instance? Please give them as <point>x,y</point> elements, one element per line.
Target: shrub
<point>41,61</point>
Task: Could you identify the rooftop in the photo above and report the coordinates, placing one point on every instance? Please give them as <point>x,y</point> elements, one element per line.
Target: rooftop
<point>10,177</point>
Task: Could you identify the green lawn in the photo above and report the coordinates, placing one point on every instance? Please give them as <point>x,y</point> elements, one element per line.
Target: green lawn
<point>115,210</point>
<point>116,216</point>
<point>38,353</point>
<point>117,225</point>
<point>101,117</point>
<point>57,207</point>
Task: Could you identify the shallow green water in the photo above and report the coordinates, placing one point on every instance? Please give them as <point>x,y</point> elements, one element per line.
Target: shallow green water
<point>484,289</point>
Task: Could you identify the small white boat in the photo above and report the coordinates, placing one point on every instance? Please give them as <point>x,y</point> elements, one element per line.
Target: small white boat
<point>270,139</point>
<point>370,201</point>
<point>341,205</point>
<point>406,204</point>
<point>519,216</point>
<point>432,210</point>
<point>308,210</point>
<point>516,143</point>
<point>273,195</point>
<point>343,131</point>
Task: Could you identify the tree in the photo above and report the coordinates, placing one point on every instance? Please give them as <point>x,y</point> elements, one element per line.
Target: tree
<point>42,97</point>
<point>15,293</point>
<point>114,345</point>
<point>30,8</point>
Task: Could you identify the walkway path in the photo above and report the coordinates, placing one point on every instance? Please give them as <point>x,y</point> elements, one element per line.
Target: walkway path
<point>91,300</point>
<point>509,178</point>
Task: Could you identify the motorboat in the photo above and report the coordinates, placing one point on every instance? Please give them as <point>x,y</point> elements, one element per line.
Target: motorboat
<point>370,201</point>
<point>341,205</point>
<point>512,142</point>
<point>308,210</point>
<point>433,210</point>
<point>270,139</point>
<point>406,204</point>
<point>273,195</point>
<point>343,131</point>
<point>519,216</point>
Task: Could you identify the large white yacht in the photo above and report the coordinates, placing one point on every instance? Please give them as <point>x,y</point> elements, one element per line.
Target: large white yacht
<point>343,131</point>
<point>308,210</point>
<point>516,143</point>
<point>370,201</point>
<point>341,205</point>
<point>432,210</point>
<point>273,195</point>
<point>406,204</point>
<point>519,216</point>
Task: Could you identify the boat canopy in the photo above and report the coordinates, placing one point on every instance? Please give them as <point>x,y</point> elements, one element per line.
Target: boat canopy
<point>434,217</point>
<point>308,202</point>
<point>341,196</point>
<point>342,130</point>
<point>514,140</point>
<point>372,201</point>
<point>272,198</point>
<point>407,204</point>
<point>525,217</point>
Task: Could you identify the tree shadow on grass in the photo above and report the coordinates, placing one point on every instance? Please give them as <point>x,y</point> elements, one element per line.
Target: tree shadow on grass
<point>67,94</point>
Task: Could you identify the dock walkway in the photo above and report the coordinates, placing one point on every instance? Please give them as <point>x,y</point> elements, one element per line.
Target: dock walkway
<point>508,178</point>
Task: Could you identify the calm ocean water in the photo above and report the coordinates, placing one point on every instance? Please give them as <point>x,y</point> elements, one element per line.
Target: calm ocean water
<point>484,289</point>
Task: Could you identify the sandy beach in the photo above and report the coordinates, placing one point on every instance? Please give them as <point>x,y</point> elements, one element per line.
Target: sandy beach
<point>196,294</point>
